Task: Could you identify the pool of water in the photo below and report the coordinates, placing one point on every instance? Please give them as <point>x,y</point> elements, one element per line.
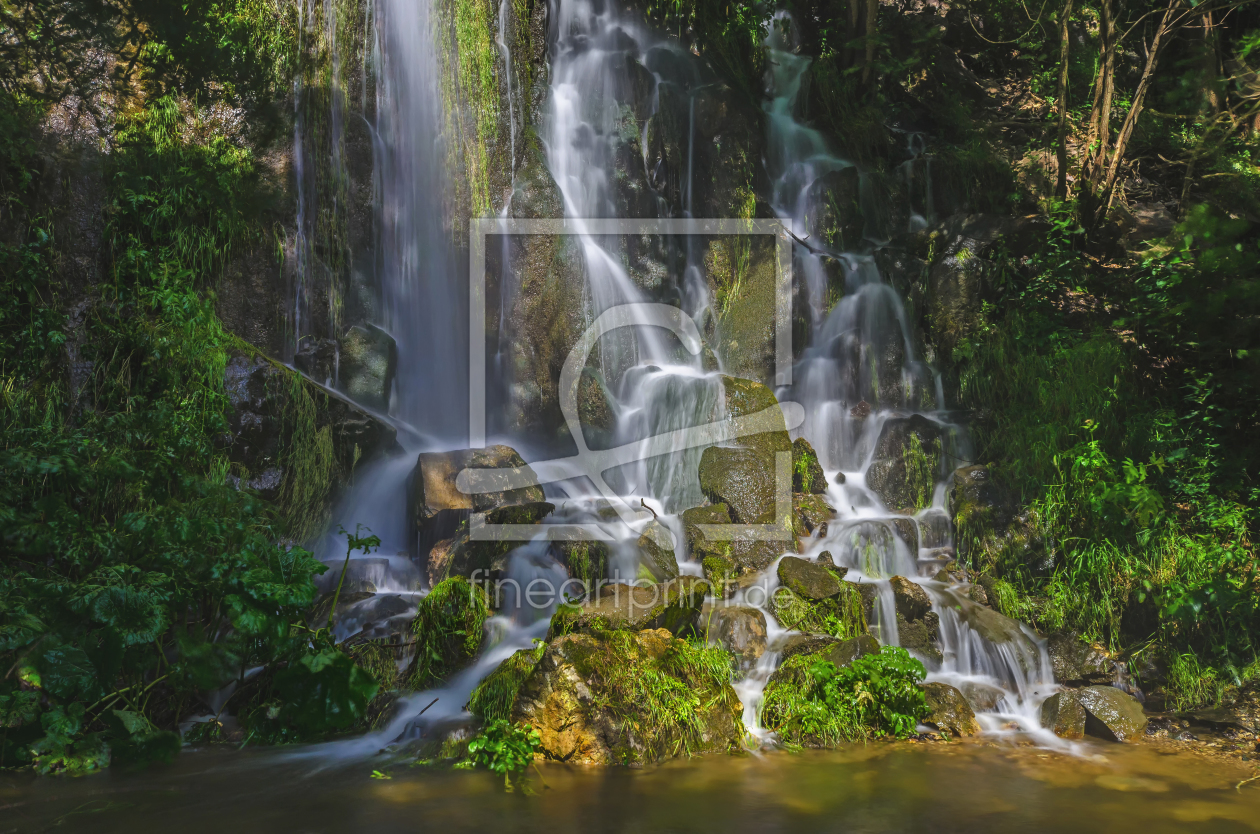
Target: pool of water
<point>964,787</point>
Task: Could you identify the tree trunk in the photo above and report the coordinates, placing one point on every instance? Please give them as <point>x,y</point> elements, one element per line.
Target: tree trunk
<point>1060,190</point>
<point>872,17</point>
<point>1130,119</point>
<point>1100,113</point>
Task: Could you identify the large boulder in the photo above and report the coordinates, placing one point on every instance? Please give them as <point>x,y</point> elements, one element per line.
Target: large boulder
<point>960,279</point>
<point>807,472</point>
<point>673,606</point>
<point>1077,663</point>
<point>1000,630</point>
<point>918,626</point>
<point>1100,711</point>
<point>439,509</point>
<point>841,615</point>
<point>741,475</point>
<point>1112,714</point>
<point>586,699</point>
<point>907,459</point>
<point>725,560</point>
<point>739,629</point>
<point>656,545</point>
<point>806,579</point>
<point>367,362</point>
<point>951,712</point>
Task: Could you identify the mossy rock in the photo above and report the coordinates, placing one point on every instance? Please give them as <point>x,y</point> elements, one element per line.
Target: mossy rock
<point>728,558</point>
<point>449,629</point>
<point>921,636</point>
<point>807,472</point>
<point>739,629</point>
<point>624,697</point>
<point>907,460</point>
<point>586,561</point>
<point>673,606</point>
<point>788,705</point>
<point>368,361</point>
<point>742,475</point>
<point>951,713</point>
<point>809,512</point>
<point>839,616</point>
<point>495,697</point>
<point>806,579</point>
<point>656,551</point>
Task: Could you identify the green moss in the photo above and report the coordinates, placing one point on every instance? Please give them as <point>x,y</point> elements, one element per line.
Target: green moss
<point>920,466</point>
<point>840,616</point>
<point>494,697</point>
<point>663,701</point>
<point>449,629</point>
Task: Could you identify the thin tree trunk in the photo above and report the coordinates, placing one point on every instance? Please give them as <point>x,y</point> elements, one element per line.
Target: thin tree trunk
<point>1100,114</point>
<point>1060,190</point>
<point>1131,118</point>
<point>872,17</point>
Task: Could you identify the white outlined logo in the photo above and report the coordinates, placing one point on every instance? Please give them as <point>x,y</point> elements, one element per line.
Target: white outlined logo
<point>594,463</point>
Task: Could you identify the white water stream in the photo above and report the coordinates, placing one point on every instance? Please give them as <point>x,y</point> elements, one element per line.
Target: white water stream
<point>862,350</point>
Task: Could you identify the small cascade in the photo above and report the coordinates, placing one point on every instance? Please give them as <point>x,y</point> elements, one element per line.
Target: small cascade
<point>859,379</point>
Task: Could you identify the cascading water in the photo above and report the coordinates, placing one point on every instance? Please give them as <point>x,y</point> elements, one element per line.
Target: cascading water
<point>858,378</point>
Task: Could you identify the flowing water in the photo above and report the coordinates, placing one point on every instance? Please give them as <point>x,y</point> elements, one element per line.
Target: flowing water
<point>859,376</point>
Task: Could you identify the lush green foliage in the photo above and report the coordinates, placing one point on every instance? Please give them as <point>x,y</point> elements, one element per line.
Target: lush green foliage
<point>840,616</point>
<point>813,702</point>
<point>449,629</point>
<point>504,748</point>
<point>495,696</point>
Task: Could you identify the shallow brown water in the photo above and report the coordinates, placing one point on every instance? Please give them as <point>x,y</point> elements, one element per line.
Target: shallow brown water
<point>881,788</point>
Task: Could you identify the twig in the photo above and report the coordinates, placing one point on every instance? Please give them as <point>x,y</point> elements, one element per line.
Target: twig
<point>1238,787</point>
<point>426,709</point>
<point>649,509</point>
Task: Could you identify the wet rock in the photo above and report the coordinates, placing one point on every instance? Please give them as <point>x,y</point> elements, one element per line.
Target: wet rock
<point>740,630</point>
<point>368,361</point>
<point>369,573</point>
<point>912,602</point>
<point>982,697</point>
<point>318,617</point>
<point>959,280</point>
<point>481,560</point>
<point>976,500</point>
<point>439,508</point>
<point>725,560</point>
<point>950,710</point>
<point>809,580</point>
<point>810,512</point>
<point>439,565</point>
<point>907,531</point>
<point>907,459</point>
<point>1111,714</point>
<point>840,615</point>
<point>1064,714</point>
<point>1077,663</point>
<point>847,651</point>
<point>807,472</point>
<point>656,544</point>
<point>828,561</point>
<point>995,627</point>
<point>317,358</point>
<point>673,606</point>
<point>742,474</point>
<point>795,644</point>
<point>580,700</point>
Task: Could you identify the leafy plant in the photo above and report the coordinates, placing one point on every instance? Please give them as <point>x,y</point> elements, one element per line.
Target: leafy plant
<point>505,749</point>
<point>881,690</point>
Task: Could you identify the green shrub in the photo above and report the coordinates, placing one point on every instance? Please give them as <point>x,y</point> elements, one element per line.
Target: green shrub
<point>505,749</point>
<point>450,630</point>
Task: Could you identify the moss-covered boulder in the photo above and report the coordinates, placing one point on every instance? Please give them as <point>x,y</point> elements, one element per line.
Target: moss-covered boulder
<point>656,548</point>
<point>741,475</point>
<point>1078,663</point>
<point>739,629</point>
<point>1003,631</point>
<point>673,606</point>
<point>807,472</point>
<point>810,580</point>
<point>625,697</point>
<point>495,697</point>
<point>790,706</point>
<point>951,713</point>
<point>449,630</point>
<point>840,615</point>
<point>907,461</point>
<point>810,512</point>
<point>725,560</point>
